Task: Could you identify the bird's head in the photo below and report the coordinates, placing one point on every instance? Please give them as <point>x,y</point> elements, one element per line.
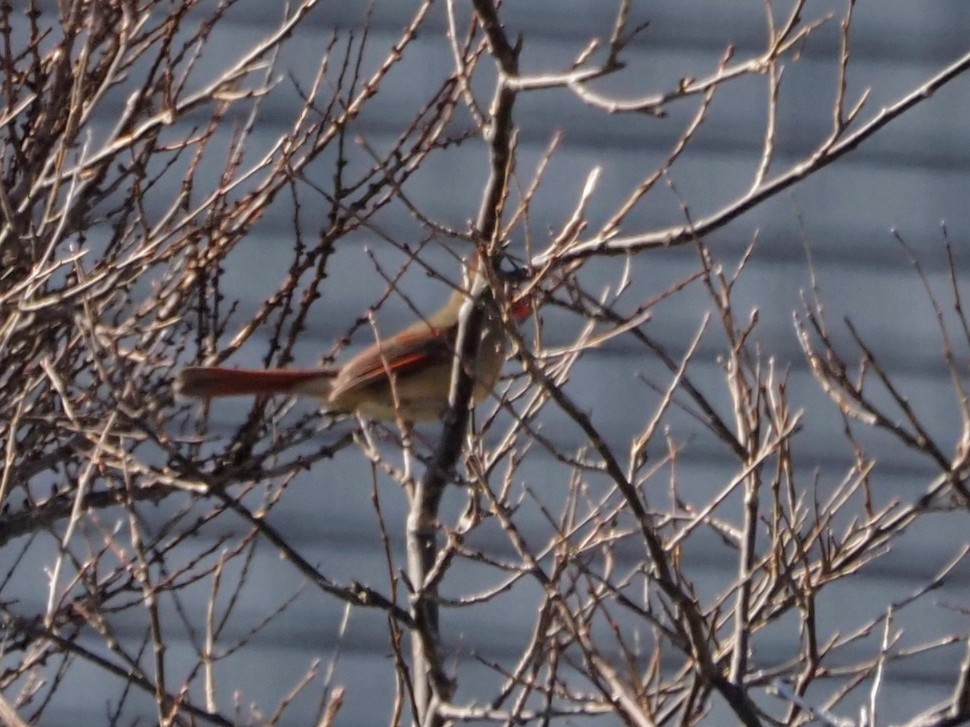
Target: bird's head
<point>516,278</point>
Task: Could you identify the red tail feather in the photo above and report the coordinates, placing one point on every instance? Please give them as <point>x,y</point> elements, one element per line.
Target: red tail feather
<point>207,382</point>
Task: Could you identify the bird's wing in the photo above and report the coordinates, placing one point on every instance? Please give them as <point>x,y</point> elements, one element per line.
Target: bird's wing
<point>407,353</point>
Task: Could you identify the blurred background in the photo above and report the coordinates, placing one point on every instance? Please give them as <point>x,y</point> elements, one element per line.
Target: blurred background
<point>910,181</point>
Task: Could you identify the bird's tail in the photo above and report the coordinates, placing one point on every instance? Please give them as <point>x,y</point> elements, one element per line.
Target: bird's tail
<point>208,382</point>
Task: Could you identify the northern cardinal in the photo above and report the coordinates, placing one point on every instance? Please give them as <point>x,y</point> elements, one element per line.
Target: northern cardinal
<point>407,375</point>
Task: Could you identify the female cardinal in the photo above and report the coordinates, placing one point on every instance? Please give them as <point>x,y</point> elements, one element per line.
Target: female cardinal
<point>407,375</point>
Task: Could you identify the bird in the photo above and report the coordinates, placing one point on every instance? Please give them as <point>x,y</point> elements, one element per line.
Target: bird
<point>405,377</point>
